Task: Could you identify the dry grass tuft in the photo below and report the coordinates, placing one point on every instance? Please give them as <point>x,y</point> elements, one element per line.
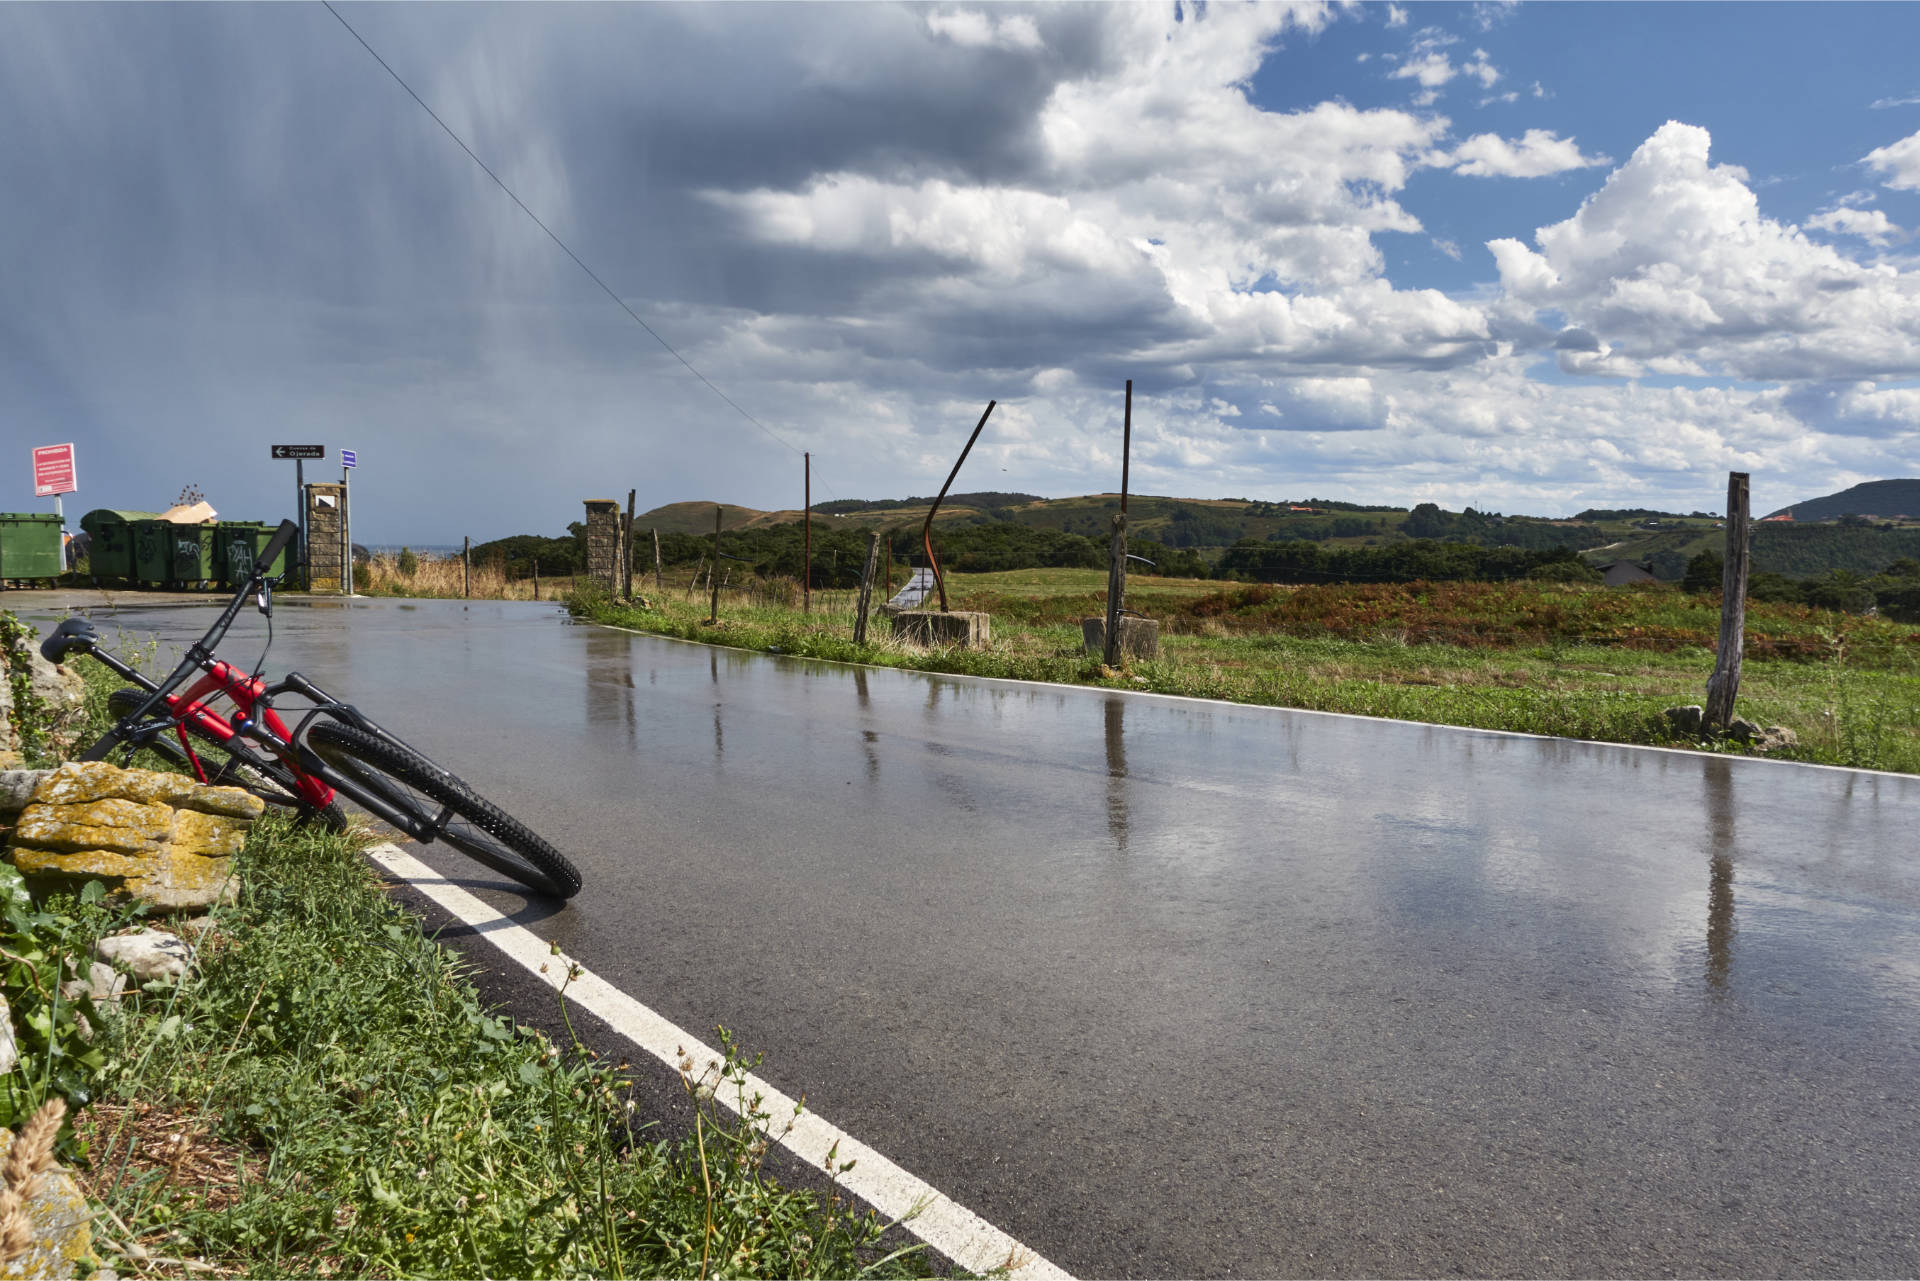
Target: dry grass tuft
<point>169,1145</point>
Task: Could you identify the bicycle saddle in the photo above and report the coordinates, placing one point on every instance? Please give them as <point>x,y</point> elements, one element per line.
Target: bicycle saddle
<point>75,633</point>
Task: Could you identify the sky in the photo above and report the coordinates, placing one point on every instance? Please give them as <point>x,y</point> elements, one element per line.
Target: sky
<point>1529,258</point>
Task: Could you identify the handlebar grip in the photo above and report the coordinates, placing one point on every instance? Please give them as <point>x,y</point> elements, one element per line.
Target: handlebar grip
<point>282,536</point>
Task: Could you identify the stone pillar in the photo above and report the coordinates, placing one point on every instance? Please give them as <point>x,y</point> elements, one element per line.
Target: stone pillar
<point>603,544</point>
<point>326,556</point>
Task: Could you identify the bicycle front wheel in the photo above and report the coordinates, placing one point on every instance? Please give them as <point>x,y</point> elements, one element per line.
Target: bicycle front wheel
<point>231,765</point>
<point>465,820</point>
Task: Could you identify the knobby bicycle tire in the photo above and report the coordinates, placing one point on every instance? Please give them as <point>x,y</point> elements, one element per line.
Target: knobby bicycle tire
<point>229,766</point>
<point>481,830</point>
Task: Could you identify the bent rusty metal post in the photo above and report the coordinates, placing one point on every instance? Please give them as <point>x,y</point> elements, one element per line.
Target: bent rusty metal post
<point>926,530</point>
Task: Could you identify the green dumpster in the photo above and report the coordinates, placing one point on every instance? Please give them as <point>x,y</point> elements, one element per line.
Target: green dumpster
<point>166,554</point>
<point>31,546</point>
<point>239,544</point>
<point>194,554</point>
<point>111,535</point>
<point>152,551</point>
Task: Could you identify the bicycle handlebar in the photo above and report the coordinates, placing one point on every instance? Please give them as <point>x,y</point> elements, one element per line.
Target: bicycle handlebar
<point>282,537</point>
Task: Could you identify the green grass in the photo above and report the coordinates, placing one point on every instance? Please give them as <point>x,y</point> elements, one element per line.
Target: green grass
<point>371,1118</point>
<point>1590,663</point>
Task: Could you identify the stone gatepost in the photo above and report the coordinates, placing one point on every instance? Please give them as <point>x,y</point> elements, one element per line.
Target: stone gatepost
<point>604,545</point>
<point>326,553</point>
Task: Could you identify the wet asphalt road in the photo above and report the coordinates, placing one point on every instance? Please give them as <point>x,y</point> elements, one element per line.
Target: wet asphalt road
<point>1174,988</point>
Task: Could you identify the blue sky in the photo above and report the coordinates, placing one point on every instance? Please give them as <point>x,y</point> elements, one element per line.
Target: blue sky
<point>1536,257</point>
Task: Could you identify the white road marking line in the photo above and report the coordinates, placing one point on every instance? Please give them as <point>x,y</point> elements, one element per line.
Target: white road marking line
<point>935,1218</point>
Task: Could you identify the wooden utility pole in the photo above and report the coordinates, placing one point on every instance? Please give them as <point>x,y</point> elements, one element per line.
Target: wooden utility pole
<point>806,554</point>
<point>536,578</point>
<point>1116,588</point>
<point>656,559</point>
<point>866,589</point>
<point>1117,552</point>
<point>713,576</point>
<point>1724,685</point>
<point>626,552</point>
<point>466,567</point>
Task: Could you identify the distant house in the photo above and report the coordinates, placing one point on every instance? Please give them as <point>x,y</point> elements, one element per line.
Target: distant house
<point>1621,572</point>
<point>1787,515</point>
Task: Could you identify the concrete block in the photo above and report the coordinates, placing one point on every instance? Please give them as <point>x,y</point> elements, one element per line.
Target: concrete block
<point>1139,637</point>
<point>962,628</point>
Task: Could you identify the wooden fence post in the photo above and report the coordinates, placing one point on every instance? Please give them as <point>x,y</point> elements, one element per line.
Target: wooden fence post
<point>626,552</point>
<point>713,575</point>
<point>1116,587</point>
<point>466,568</point>
<point>1724,685</point>
<point>866,590</point>
<point>536,578</point>
<point>656,560</point>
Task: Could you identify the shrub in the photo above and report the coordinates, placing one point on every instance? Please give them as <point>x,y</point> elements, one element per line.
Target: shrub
<point>1704,574</point>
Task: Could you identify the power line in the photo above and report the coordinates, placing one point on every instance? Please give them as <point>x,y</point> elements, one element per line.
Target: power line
<point>591,275</point>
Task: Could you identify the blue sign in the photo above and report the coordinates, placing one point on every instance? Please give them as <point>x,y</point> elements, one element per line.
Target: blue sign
<point>349,459</point>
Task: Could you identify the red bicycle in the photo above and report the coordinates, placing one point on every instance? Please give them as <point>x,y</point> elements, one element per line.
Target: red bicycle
<point>334,750</point>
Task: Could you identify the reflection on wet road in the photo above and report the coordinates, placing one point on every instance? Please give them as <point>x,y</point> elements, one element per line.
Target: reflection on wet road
<point>1175,988</point>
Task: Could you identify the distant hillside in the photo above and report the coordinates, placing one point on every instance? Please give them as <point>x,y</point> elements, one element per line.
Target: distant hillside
<point>1882,498</point>
<point>694,518</point>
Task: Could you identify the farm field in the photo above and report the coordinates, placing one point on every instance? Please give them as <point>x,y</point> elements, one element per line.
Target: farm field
<point>1577,661</point>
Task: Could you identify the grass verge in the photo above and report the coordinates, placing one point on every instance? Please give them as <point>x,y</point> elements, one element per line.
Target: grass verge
<point>327,1096</point>
<point>1588,663</point>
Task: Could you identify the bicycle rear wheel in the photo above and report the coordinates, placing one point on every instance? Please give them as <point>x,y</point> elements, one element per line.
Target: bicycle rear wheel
<point>231,765</point>
<point>469,822</point>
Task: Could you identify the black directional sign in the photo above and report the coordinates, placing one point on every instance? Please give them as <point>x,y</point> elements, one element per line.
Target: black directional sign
<point>299,451</point>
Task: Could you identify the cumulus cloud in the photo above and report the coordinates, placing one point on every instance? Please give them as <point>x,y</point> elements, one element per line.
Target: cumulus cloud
<point>1396,16</point>
<point>1672,257</point>
<point>1871,225</point>
<point>1899,161</point>
<point>973,29</point>
<point>1535,154</point>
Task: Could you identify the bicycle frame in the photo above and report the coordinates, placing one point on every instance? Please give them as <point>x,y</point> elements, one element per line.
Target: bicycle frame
<point>256,720</point>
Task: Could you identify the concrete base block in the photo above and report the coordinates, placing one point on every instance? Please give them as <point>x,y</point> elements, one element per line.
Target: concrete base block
<point>1139,637</point>
<point>962,628</point>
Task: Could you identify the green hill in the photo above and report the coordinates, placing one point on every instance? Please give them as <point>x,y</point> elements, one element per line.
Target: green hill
<point>1884,499</point>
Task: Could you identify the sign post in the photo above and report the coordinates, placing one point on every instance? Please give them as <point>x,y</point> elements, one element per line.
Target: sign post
<point>54,475</point>
<point>299,454</point>
<point>349,459</point>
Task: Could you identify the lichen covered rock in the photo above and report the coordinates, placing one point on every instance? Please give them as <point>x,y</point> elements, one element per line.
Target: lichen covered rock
<point>161,838</point>
<point>62,1225</point>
